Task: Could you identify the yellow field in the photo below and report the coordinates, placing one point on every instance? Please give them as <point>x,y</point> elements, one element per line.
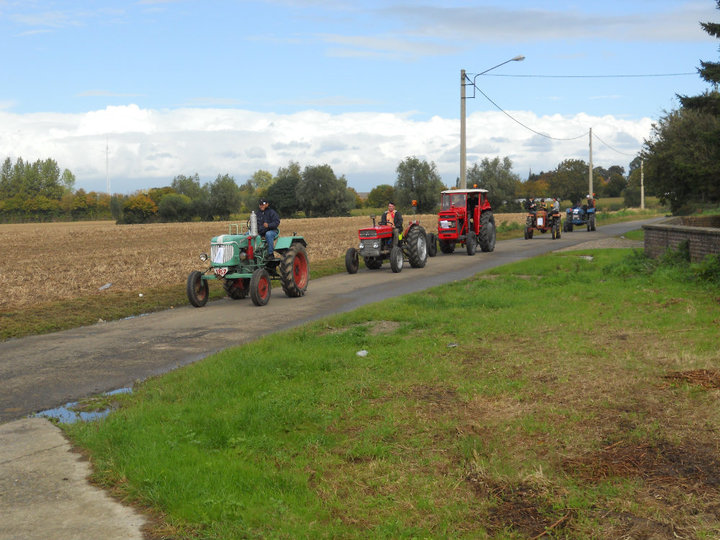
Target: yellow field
<point>43,262</point>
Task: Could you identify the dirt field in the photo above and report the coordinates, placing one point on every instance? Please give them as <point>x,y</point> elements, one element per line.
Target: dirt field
<point>43,262</point>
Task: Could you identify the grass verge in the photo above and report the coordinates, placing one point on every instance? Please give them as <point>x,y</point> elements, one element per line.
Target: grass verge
<point>572,395</point>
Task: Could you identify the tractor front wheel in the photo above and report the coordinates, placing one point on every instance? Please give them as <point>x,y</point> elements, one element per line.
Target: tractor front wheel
<point>373,263</point>
<point>396,259</point>
<point>236,289</point>
<point>447,246</point>
<point>260,287</point>
<point>431,245</point>
<point>471,243</point>
<point>197,289</point>
<point>351,261</point>
<point>295,271</point>
<point>417,247</point>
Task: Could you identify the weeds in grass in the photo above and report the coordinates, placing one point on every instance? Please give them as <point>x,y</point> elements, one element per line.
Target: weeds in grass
<point>549,397</point>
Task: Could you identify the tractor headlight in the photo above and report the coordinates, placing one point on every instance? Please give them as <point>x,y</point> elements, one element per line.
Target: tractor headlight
<point>376,245</point>
<point>203,257</point>
<point>243,255</point>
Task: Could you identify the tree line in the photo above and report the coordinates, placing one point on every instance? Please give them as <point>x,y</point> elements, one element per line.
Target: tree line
<point>39,192</point>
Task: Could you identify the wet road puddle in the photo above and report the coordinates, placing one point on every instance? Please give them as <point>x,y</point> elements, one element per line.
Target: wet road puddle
<point>86,411</point>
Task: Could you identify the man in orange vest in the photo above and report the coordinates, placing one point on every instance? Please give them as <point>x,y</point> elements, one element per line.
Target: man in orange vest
<point>392,217</point>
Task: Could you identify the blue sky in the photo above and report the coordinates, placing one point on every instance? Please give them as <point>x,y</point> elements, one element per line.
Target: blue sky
<point>135,93</point>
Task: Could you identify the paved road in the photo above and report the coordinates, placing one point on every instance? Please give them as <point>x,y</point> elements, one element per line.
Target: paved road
<point>43,372</point>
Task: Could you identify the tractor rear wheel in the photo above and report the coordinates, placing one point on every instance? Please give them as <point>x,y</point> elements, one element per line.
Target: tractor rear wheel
<point>471,243</point>
<point>417,247</point>
<point>351,261</point>
<point>260,287</point>
<point>396,259</point>
<point>237,289</point>
<point>431,245</point>
<point>197,289</point>
<point>295,271</point>
<point>528,233</point>
<point>447,246</point>
<point>487,234</point>
<point>592,223</point>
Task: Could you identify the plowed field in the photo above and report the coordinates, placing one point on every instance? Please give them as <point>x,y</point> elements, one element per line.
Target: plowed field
<point>43,262</point>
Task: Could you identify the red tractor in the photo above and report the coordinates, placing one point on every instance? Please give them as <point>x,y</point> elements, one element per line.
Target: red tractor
<point>381,242</point>
<point>543,221</point>
<point>466,218</point>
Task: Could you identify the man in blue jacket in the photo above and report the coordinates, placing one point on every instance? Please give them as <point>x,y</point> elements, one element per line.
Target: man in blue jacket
<point>268,221</point>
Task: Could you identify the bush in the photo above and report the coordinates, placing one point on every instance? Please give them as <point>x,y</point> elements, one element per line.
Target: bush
<point>708,269</point>
<point>175,207</point>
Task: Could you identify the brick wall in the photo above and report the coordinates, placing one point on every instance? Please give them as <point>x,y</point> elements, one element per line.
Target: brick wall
<point>702,234</point>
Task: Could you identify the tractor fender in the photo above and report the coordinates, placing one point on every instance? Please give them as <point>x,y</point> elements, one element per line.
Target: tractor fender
<point>284,242</point>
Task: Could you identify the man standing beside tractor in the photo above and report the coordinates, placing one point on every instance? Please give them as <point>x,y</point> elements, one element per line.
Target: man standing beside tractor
<point>268,222</point>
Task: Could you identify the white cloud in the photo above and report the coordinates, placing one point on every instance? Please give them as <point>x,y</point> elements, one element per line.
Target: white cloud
<point>148,148</point>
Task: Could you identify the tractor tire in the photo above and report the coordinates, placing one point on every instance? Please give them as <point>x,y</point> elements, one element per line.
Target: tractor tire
<point>396,259</point>
<point>351,261</point>
<point>570,227</point>
<point>237,289</point>
<point>552,231</point>
<point>528,233</point>
<point>198,290</point>
<point>471,243</point>
<point>416,246</point>
<point>260,287</point>
<point>295,271</point>
<point>447,247</point>
<point>592,223</point>
<point>488,232</point>
<point>373,263</point>
<point>431,245</point>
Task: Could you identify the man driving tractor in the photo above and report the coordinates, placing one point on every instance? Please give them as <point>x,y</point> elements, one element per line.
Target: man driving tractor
<point>392,217</point>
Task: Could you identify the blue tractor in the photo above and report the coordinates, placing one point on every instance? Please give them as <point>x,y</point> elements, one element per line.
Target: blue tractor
<point>580,215</point>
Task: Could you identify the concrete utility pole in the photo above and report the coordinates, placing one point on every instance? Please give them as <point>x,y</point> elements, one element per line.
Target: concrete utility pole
<point>642,186</point>
<point>590,169</point>
<point>463,148</point>
<point>463,144</point>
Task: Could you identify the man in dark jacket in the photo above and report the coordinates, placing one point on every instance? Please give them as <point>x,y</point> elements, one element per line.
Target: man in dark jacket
<point>268,222</point>
<point>392,217</point>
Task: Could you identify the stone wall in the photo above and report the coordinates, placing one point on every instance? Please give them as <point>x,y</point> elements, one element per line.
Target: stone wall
<point>701,232</point>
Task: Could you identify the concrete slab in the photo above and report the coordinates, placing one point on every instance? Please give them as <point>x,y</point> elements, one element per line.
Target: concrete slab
<point>45,493</point>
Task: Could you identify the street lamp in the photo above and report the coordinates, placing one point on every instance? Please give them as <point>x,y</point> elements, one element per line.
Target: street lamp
<point>464,81</point>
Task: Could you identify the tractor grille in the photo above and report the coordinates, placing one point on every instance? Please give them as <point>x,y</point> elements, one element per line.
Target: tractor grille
<point>368,234</point>
<point>446,224</point>
<point>221,253</point>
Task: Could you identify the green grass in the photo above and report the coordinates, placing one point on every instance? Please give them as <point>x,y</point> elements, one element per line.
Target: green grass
<point>543,396</point>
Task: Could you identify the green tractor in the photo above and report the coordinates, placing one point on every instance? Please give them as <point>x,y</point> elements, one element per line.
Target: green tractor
<point>240,260</point>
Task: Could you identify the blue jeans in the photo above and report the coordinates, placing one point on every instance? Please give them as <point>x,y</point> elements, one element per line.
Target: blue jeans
<point>270,237</point>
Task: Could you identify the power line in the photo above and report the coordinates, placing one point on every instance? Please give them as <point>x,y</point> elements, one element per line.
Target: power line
<point>545,134</point>
<point>591,76</point>
<point>523,125</point>
<point>611,148</point>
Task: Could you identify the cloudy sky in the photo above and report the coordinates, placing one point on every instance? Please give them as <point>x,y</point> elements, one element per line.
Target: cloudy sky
<point>134,93</point>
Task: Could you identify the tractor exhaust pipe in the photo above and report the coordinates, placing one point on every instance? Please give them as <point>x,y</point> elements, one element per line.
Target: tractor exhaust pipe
<point>253,224</point>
